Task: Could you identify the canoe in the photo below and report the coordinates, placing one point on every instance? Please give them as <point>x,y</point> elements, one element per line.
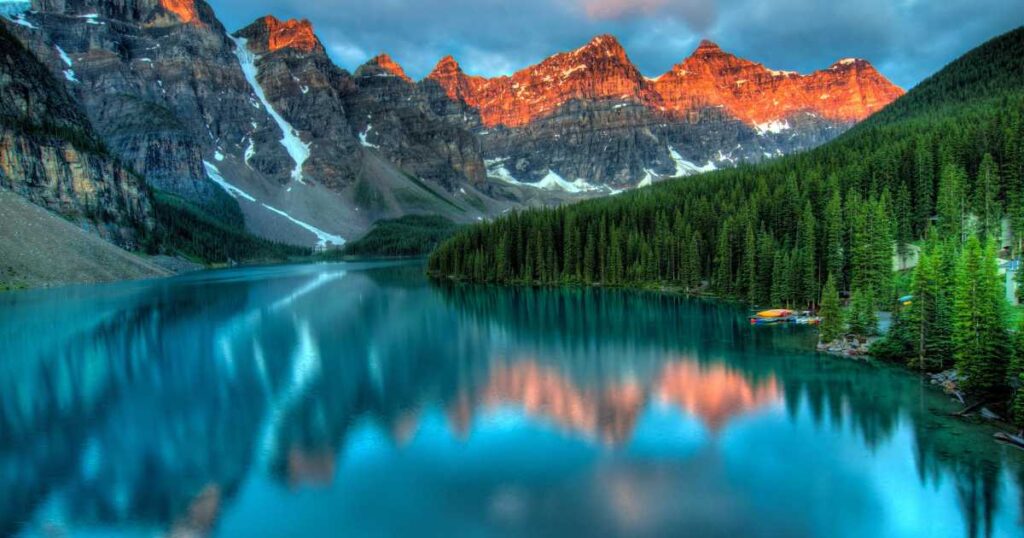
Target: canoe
<point>777,313</point>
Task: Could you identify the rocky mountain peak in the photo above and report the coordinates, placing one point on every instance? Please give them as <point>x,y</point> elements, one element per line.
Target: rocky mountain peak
<point>710,57</point>
<point>604,45</point>
<point>445,67</point>
<point>270,34</point>
<point>847,64</point>
<point>707,46</point>
<point>184,10</point>
<point>848,91</point>
<point>387,65</point>
<point>456,84</point>
<point>599,70</point>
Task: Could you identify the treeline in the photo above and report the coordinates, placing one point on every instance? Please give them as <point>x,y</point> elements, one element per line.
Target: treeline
<point>411,235</point>
<point>773,233</point>
<point>185,230</point>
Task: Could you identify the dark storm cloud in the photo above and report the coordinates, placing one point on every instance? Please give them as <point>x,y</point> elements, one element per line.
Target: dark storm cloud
<point>905,39</point>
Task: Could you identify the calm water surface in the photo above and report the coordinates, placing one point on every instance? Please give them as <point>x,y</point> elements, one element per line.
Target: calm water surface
<point>361,400</point>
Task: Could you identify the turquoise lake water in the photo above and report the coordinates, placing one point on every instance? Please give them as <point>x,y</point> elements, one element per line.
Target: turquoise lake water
<point>363,400</point>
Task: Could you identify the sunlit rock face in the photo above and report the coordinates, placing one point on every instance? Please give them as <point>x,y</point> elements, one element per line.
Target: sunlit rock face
<point>388,67</point>
<point>269,34</point>
<point>848,91</point>
<point>185,10</point>
<point>590,115</point>
<point>598,70</point>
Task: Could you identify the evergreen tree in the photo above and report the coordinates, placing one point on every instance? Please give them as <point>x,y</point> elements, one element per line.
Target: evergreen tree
<point>979,329</point>
<point>863,320</point>
<point>881,226</point>
<point>986,204</point>
<point>904,224</point>
<point>691,262</point>
<point>834,260</point>
<point>748,268</point>
<point>765,267</point>
<point>951,204</point>
<point>807,254</point>
<point>780,279</point>
<point>832,324</point>
<point>929,317</point>
<point>924,186</point>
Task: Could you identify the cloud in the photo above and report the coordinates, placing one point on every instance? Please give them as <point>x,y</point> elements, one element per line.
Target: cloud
<point>906,39</point>
<point>698,14</point>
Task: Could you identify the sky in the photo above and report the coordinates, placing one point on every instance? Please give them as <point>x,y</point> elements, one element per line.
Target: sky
<point>907,40</point>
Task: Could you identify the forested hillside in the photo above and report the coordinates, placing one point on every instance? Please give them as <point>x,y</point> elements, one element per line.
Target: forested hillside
<point>948,156</point>
<point>931,181</point>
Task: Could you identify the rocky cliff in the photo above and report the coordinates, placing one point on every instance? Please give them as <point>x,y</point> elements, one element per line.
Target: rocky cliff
<point>587,120</point>
<point>50,154</point>
<point>311,153</point>
<point>369,136</point>
<point>847,92</point>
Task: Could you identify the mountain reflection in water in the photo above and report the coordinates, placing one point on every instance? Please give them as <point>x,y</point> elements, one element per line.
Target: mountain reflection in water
<point>360,399</point>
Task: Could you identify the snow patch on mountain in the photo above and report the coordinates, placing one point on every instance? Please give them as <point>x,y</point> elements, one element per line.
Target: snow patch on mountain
<point>323,238</point>
<point>68,73</point>
<point>292,142</point>
<point>648,179</point>
<point>774,127</point>
<point>553,181</point>
<point>250,151</point>
<point>687,168</point>
<point>363,138</point>
<point>214,174</point>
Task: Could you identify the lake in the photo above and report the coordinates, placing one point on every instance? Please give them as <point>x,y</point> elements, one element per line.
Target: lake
<point>363,400</point>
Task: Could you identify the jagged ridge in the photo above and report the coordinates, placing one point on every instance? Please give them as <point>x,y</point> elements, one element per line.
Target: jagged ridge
<point>848,91</point>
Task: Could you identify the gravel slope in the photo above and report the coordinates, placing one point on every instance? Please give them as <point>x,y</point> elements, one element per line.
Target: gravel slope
<point>40,249</point>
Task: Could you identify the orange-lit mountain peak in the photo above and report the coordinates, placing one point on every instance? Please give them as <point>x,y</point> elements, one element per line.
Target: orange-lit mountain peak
<point>710,58</point>
<point>714,394</point>
<point>605,45</point>
<point>385,62</point>
<point>184,10</point>
<point>848,91</point>
<point>850,63</point>
<point>599,70</point>
<point>292,34</point>
<point>707,46</point>
<point>445,67</point>
<point>456,84</point>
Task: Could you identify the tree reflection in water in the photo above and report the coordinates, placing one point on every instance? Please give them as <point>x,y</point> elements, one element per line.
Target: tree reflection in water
<point>154,404</point>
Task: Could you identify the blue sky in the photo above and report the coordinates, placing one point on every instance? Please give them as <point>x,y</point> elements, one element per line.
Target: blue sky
<point>906,39</point>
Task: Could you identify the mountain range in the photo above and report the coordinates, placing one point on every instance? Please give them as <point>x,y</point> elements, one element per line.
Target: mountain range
<point>261,127</point>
